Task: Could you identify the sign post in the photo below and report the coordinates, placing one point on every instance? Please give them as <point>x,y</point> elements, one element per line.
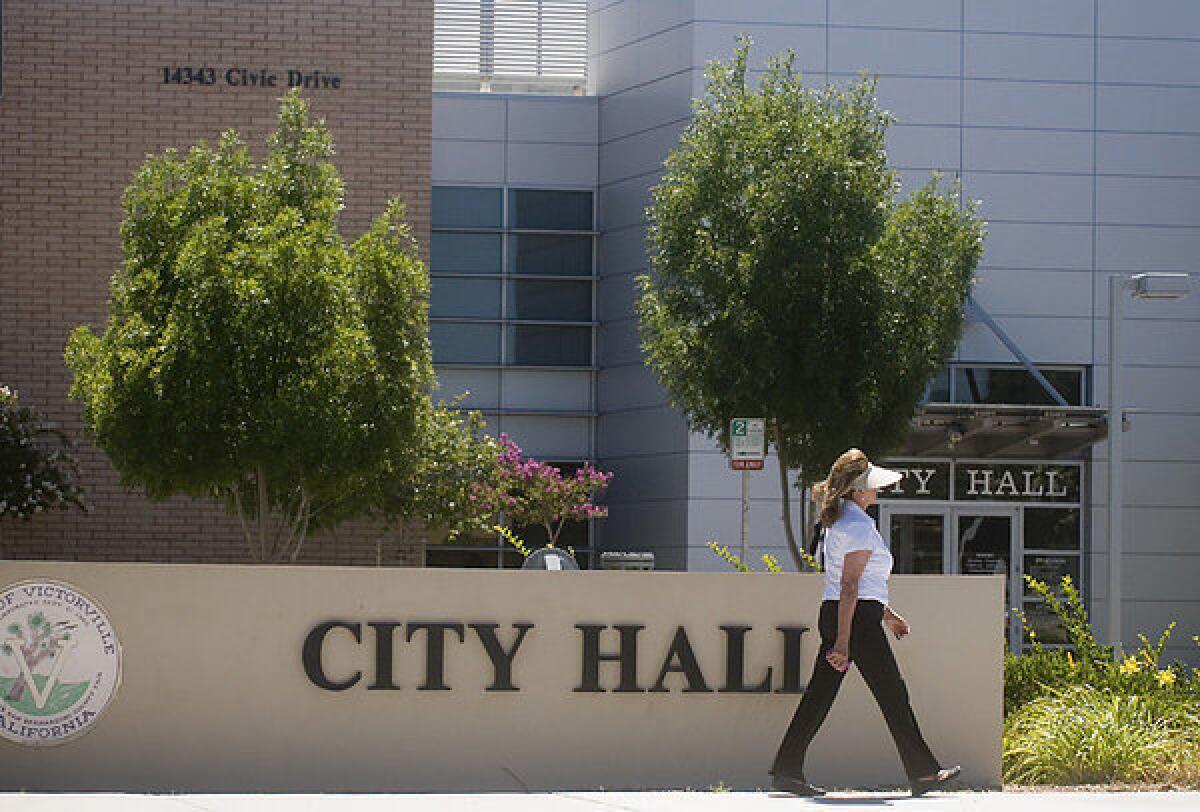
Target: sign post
<point>747,450</point>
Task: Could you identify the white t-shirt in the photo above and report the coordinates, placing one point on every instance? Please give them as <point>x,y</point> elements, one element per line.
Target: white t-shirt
<point>855,530</point>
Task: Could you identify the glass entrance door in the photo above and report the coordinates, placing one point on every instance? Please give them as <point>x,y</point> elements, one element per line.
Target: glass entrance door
<point>932,540</point>
<point>986,544</point>
<point>917,538</point>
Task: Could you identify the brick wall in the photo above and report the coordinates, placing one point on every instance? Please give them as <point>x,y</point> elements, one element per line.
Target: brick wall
<point>83,102</point>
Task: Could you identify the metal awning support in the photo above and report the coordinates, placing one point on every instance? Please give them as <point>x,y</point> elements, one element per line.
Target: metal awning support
<point>976,311</point>
<point>990,430</point>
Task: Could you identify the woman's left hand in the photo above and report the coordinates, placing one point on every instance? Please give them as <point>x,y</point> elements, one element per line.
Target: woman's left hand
<point>898,625</point>
<point>839,656</point>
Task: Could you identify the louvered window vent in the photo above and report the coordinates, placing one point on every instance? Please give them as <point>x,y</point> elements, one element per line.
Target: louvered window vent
<point>512,46</point>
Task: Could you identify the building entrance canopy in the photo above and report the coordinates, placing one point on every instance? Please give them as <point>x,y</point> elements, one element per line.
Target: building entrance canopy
<point>1013,432</point>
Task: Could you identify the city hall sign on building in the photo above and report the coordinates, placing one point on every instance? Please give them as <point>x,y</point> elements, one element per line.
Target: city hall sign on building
<point>60,662</point>
<point>985,481</point>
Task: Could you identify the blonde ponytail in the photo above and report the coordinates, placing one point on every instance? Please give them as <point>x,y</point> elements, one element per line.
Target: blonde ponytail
<point>829,492</point>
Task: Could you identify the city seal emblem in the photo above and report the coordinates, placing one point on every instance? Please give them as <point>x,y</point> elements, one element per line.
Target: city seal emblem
<point>60,662</point>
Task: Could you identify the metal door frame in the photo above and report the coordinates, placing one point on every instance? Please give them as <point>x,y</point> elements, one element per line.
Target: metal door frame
<point>1013,589</point>
<point>893,506</point>
<point>951,513</point>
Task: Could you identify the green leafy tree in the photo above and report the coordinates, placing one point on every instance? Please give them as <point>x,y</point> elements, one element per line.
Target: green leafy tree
<point>453,455</point>
<point>787,279</point>
<point>528,492</point>
<point>250,354</point>
<point>38,471</point>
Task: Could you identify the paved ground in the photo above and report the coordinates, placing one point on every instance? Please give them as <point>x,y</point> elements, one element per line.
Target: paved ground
<point>612,802</point>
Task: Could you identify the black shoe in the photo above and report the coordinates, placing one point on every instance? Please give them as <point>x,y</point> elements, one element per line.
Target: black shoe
<point>796,786</point>
<point>943,777</point>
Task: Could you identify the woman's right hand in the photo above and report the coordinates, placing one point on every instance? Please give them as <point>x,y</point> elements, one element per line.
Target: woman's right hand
<point>839,656</point>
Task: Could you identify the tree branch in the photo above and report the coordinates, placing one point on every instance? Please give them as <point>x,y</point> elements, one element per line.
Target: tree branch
<point>787,500</point>
<point>255,555</point>
<point>302,518</point>
<point>261,481</point>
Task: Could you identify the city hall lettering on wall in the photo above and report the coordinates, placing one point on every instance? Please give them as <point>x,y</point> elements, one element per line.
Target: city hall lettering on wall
<point>616,646</point>
<point>246,77</point>
<point>985,481</point>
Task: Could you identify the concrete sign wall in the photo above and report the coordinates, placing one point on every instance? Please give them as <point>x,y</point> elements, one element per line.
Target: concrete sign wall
<point>338,679</point>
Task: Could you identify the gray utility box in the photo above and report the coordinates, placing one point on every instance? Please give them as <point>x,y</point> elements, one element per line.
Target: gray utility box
<point>626,561</point>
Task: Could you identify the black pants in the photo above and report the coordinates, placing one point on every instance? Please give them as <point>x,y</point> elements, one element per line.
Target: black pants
<point>870,651</point>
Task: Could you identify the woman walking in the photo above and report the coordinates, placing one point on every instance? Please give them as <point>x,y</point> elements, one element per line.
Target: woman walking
<point>857,566</point>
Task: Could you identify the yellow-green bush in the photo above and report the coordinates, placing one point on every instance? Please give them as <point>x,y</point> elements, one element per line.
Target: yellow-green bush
<point>1086,735</point>
<point>1083,715</point>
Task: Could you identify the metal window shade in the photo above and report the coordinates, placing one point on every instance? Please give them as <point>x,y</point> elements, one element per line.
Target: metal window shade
<point>511,38</point>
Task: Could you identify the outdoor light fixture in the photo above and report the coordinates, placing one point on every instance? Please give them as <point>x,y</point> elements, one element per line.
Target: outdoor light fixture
<point>1161,285</point>
<point>1139,286</point>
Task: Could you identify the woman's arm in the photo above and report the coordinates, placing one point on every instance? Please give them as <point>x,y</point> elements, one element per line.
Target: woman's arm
<point>897,624</point>
<point>852,569</point>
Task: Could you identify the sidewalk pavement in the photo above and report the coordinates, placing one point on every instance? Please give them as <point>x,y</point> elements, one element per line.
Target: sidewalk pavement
<point>612,802</point>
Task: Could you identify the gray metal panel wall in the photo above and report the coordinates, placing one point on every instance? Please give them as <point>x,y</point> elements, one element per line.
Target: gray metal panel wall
<point>1076,122</point>
<point>482,139</point>
<point>640,65</point>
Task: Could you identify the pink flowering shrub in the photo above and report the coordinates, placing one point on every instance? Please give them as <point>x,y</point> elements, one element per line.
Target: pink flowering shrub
<point>528,492</point>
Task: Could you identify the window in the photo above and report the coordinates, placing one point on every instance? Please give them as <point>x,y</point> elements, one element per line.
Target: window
<point>550,210</point>
<point>451,252</point>
<point>464,297</point>
<point>938,390</point>
<point>1015,385</point>
<point>546,346</point>
<point>465,343</point>
<point>1052,528</point>
<point>550,255</point>
<point>521,259</point>
<point>538,300</point>
<point>467,207</point>
<point>1012,385</point>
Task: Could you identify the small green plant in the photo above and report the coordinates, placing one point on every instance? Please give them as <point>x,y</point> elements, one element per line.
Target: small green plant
<point>1035,674</point>
<point>1084,735</point>
<point>723,552</point>
<point>519,544</point>
<point>513,539</point>
<point>720,786</point>
<point>1073,614</point>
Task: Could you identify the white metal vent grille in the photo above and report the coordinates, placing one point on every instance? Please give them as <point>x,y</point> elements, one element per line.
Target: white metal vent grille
<point>530,45</point>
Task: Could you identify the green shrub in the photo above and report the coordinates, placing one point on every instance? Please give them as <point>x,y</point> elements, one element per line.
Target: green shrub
<point>1073,614</point>
<point>1038,673</point>
<point>1083,735</point>
<point>38,471</point>
<point>1082,716</point>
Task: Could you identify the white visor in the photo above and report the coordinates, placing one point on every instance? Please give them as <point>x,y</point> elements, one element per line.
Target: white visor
<point>876,477</point>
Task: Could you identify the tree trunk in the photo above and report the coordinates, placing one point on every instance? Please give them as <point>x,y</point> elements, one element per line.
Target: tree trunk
<point>261,480</point>
<point>797,559</point>
<point>804,522</point>
<point>302,520</point>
